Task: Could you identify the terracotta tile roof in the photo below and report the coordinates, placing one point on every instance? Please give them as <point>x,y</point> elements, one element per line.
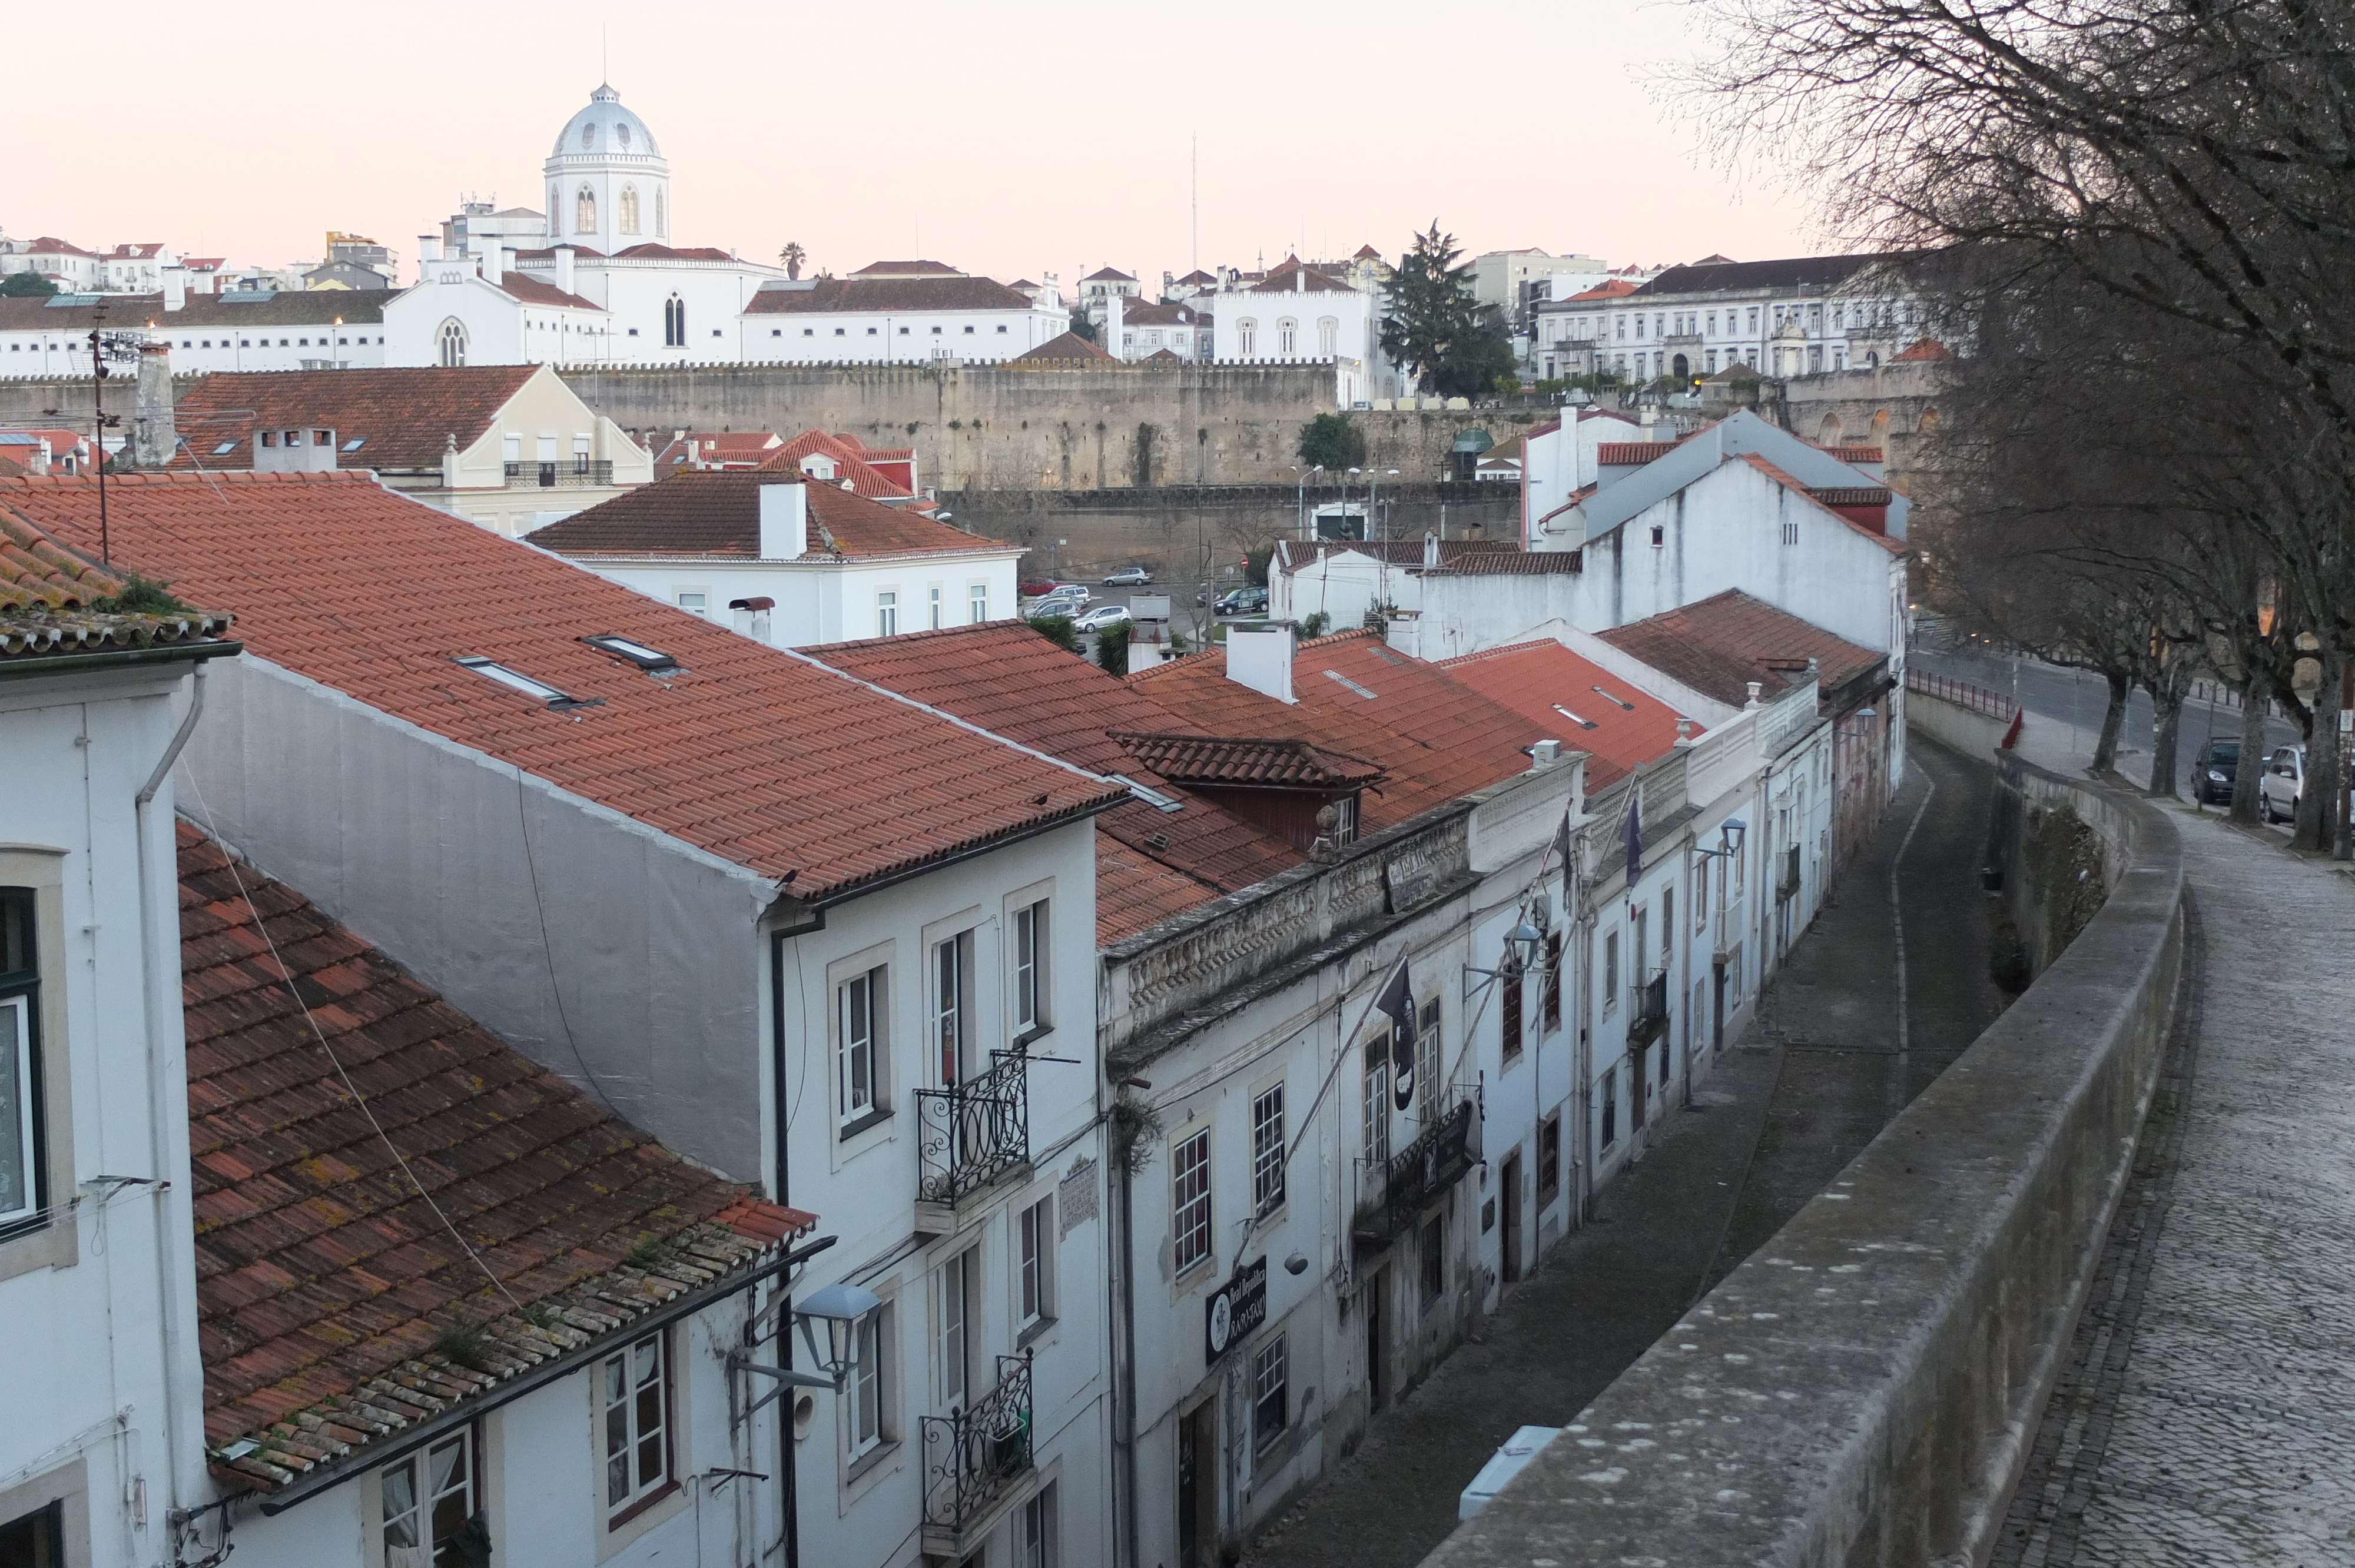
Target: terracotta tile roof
<point>1292,555</point>
<point>1632,454</point>
<point>1108,275</point>
<point>1161,359</point>
<point>1588,708</point>
<point>1069,348</point>
<point>532,292</point>
<point>333,1307</point>
<point>1850,453</point>
<point>288,309</point>
<point>1239,761</point>
<point>759,757</point>
<point>1617,288</point>
<point>1139,314</point>
<point>833,295</point>
<point>1198,276</point>
<point>46,598</point>
<point>1921,351</point>
<point>850,462</point>
<point>1295,278</point>
<point>1135,892</point>
<point>717,511</point>
<point>1512,563</point>
<point>1720,644</point>
<point>739,449</point>
<point>1008,680</point>
<point>907,269</point>
<point>1434,738</point>
<point>404,416</point>
<point>651,251</point>
<point>1831,497</point>
<point>580,253</point>
<point>1365,252</point>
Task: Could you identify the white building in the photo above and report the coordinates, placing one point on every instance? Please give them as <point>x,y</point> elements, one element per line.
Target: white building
<point>1174,328</point>
<point>244,329</point>
<point>104,1441</point>
<point>1297,315</point>
<point>896,313</point>
<point>1513,281</point>
<point>790,559</point>
<point>810,936</point>
<point>479,310</point>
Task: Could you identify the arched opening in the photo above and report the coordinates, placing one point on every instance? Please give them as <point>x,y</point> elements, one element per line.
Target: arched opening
<point>1288,337</point>
<point>1879,426</point>
<point>1928,421</point>
<point>451,343</point>
<point>1681,367</point>
<point>1829,433</point>
<point>1246,337</point>
<point>584,212</point>
<point>674,323</point>
<point>629,209</point>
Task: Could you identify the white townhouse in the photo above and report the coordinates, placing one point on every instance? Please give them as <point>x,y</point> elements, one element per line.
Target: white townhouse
<point>790,559</point>
<point>810,936</point>
<point>480,309</point>
<point>103,1443</point>
<point>1794,317</point>
<point>1295,315</point>
<point>895,313</point>
<point>1171,327</point>
<point>135,269</point>
<point>244,329</point>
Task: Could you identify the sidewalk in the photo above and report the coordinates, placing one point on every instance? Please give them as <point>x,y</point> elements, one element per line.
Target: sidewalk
<point>1807,1087</point>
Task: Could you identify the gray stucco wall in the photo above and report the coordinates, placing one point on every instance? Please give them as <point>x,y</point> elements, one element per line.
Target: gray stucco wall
<point>1860,1391</point>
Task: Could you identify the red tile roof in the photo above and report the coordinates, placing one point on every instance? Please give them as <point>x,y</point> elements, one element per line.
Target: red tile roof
<point>532,292</point>
<point>48,592</point>
<point>333,1307</point>
<point>1632,454</point>
<point>1108,275</point>
<point>717,511</point>
<point>652,252</point>
<point>51,245</point>
<point>738,449</point>
<point>1830,498</point>
<point>1135,892</point>
<point>752,753</point>
<point>1587,707</point>
<point>1436,738</point>
<point>1923,351</point>
<point>1069,348</point>
<point>907,269</point>
<point>1239,761</point>
<point>1719,645</point>
<point>1617,288</point>
<point>830,295</point>
<point>1295,278</point>
<point>404,416</point>
<point>850,462</point>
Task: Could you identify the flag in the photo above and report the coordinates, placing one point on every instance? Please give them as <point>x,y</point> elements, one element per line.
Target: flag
<point>1398,1001</point>
<point>1631,831</point>
<point>1561,848</point>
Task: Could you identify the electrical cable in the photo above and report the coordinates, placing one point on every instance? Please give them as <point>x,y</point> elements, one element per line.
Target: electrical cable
<point>547,950</point>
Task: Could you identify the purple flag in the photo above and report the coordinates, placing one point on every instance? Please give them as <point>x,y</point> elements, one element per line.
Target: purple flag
<point>1397,1000</point>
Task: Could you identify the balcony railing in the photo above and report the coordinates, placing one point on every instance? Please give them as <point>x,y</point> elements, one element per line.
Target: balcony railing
<point>1413,1178</point>
<point>578,473</point>
<point>971,1134</point>
<point>1649,1019</point>
<point>974,1457</point>
<point>1788,888</point>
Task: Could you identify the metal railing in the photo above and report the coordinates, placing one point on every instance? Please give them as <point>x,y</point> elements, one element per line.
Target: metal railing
<point>578,473</point>
<point>1649,1019</point>
<point>1413,1178</point>
<point>972,1456</point>
<point>970,1134</point>
<point>1962,694</point>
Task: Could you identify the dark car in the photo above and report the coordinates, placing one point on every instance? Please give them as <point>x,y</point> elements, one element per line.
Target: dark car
<point>2213,771</point>
<point>1242,601</point>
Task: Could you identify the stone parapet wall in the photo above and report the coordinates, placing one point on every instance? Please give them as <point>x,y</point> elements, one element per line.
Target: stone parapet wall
<point>1861,1390</point>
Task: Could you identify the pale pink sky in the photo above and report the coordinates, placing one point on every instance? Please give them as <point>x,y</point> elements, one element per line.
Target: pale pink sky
<point>1004,139</point>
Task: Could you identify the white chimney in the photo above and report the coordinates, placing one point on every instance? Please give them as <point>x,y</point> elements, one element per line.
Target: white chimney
<point>1431,550</point>
<point>175,288</point>
<point>1260,657</point>
<point>564,257</point>
<point>429,247</point>
<point>1544,754</point>
<point>1115,317</point>
<point>784,521</point>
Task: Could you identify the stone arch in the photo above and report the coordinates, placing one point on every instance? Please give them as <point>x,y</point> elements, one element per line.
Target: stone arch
<point>1829,433</point>
<point>1880,425</point>
<point>1928,421</point>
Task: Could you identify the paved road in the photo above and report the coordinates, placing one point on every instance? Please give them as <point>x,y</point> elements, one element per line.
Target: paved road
<point>2208,1413</point>
<point>1806,1088</point>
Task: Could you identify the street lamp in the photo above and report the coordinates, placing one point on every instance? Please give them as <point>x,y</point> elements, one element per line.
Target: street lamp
<point>1345,506</point>
<point>1373,503</point>
<point>839,1308</point>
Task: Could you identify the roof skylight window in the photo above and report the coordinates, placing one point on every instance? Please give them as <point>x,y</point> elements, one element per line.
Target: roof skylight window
<point>223,448</point>
<point>355,443</point>
<point>516,680</point>
<point>1607,697</point>
<point>1352,686</point>
<point>653,661</point>
<point>1153,798</point>
<point>1581,723</point>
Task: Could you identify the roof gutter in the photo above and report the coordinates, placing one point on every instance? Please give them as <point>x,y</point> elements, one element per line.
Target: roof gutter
<point>176,653</point>
<point>369,1455</point>
<point>963,853</point>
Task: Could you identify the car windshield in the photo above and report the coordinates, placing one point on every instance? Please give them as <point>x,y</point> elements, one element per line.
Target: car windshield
<point>2224,751</point>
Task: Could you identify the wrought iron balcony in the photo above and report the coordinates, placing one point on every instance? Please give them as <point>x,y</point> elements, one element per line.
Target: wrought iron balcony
<point>971,1135</point>
<point>1788,888</point>
<point>975,1459</point>
<point>1649,1020</point>
<point>1413,1179</point>
<point>576,473</point>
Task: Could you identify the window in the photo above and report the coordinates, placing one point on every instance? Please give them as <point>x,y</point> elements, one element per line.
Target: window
<point>1328,336</point>
<point>516,679</point>
<point>976,607</point>
<point>21,1180</point>
<point>653,661</point>
<point>957,1297</point>
<point>1549,988</point>
<point>1548,1159</point>
<point>887,614</point>
<point>428,1499</point>
<point>584,205</point>
<point>869,1408</point>
<point>694,603</point>
<point>1034,1262</point>
<point>1611,1106</point>
<point>1190,1211</point>
<point>1034,1532</point>
<point>952,1032</point>
<point>674,323</point>
<point>1639,927</point>
<point>968,331</point>
<point>450,344</point>
<point>629,209</point>
<point>1271,1392</point>
<point>637,1422</point>
<point>1246,337</point>
<point>1510,1009</point>
<point>1611,972</point>
<point>1288,337</point>
<point>1376,1120</point>
<point>1030,976</point>
<point>662,216</point>
<point>1427,1067</point>
<point>934,608</point>
<point>1668,923</point>
<point>1431,1255</point>
<point>1267,1151</point>
<point>859,1010</point>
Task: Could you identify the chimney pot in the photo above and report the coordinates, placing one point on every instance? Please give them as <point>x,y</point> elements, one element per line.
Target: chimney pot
<point>784,521</point>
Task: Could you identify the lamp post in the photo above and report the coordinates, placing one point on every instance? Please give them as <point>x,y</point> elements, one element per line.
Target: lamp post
<point>1373,500</point>
<point>1345,506</point>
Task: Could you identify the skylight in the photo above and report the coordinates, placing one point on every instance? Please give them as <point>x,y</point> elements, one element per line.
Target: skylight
<point>1581,723</point>
<point>223,448</point>
<point>1153,798</point>
<point>1607,697</point>
<point>1337,675</point>
<point>355,443</point>
<point>516,680</point>
<point>653,661</point>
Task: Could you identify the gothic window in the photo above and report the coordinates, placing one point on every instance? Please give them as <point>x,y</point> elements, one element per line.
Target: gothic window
<point>1288,337</point>
<point>452,342</point>
<point>554,210</point>
<point>1246,337</point>
<point>674,323</point>
<point>584,212</point>
<point>662,218</point>
<point>629,209</point>
<point>1328,336</point>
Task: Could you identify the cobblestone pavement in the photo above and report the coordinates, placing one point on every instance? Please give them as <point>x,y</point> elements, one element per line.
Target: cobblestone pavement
<point>2207,1416</point>
<point>1782,1111</point>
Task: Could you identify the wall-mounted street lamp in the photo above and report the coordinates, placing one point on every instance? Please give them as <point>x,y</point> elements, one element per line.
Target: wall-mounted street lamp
<point>836,1307</point>
<point>1730,835</point>
<point>1521,946</point>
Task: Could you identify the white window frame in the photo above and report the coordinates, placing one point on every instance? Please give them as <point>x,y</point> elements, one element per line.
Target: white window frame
<point>681,593</point>
<point>866,1409</point>
<point>869,990</point>
<point>1375,1123</point>
<point>1190,1202</point>
<point>1034,1266</point>
<point>1030,928</point>
<point>954,1058</point>
<point>956,1300</point>
<point>886,612</point>
<point>409,1536</point>
<point>1271,1378</point>
<point>976,603</point>
<point>1034,1528</point>
<point>1267,1113</point>
<point>622,1379</point>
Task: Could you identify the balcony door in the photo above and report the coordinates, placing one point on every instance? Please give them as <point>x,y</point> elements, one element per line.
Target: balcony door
<point>954,1046</point>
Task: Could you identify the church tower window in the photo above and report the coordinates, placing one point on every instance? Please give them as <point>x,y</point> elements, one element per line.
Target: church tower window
<point>584,212</point>
<point>629,209</point>
<point>675,323</point>
<point>662,218</point>
<point>588,136</point>
<point>452,341</point>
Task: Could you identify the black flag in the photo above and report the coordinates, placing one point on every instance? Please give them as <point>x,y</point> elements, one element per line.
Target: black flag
<point>1398,1001</point>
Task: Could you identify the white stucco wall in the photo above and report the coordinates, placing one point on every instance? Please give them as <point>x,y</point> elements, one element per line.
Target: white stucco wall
<point>821,602</point>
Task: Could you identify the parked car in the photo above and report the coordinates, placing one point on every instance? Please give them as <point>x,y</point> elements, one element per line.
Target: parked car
<point>1129,576</point>
<point>2214,770</point>
<point>1102,616</point>
<point>1064,599</point>
<point>2283,782</point>
<point>1032,588</point>
<point>1242,601</point>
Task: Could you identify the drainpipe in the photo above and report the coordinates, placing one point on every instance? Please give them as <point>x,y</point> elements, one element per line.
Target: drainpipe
<point>162,993</point>
<point>1124,1375</point>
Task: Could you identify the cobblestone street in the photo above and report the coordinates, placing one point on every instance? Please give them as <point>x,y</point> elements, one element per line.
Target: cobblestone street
<point>2207,1416</point>
<point>1810,1083</point>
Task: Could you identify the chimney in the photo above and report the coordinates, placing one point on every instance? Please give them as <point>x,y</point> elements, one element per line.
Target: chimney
<point>1544,754</point>
<point>1260,657</point>
<point>428,248</point>
<point>504,258</point>
<point>752,617</point>
<point>784,521</point>
<point>175,288</point>
<point>1114,316</point>
<point>564,259</point>
<point>1431,549</point>
<point>153,434</point>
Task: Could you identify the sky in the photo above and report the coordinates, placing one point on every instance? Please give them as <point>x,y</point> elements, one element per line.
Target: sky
<point>1010,139</point>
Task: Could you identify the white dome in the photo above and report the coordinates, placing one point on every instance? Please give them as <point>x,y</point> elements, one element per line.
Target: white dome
<point>605,130</point>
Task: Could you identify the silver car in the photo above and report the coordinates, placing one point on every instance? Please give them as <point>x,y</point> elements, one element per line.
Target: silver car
<point>2282,783</point>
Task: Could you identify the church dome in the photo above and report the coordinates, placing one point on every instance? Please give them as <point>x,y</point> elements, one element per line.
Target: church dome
<point>605,130</point>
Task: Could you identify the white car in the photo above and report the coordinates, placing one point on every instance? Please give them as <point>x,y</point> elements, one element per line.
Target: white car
<point>1062,601</point>
<point>2282,782</point>
<point>1102,616</point>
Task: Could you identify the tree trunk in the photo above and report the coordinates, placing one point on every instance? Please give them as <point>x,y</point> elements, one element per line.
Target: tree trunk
<point>2113,720</point>
<point>2318,814</point>
<point>2252,753</point>
<point>2167,703</point>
